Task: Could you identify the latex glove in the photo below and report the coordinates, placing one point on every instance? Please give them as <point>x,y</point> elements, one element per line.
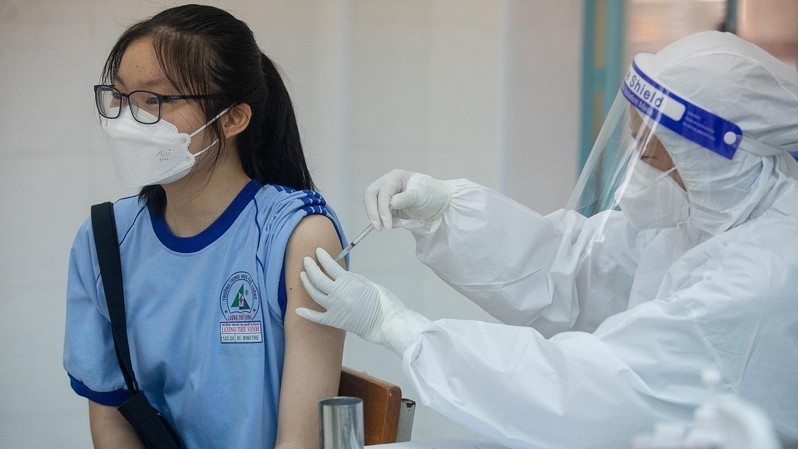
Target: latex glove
<point>404,194</point>
<point>358,305</point>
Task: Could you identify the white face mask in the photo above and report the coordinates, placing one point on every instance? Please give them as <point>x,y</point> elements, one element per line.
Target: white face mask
<point>150,154</point>
<point>652,199</point>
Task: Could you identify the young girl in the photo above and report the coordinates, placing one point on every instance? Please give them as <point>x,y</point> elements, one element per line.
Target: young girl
<point>212,247</point>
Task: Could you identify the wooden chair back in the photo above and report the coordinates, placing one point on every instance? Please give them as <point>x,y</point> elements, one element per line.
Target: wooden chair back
<point>381,404</point>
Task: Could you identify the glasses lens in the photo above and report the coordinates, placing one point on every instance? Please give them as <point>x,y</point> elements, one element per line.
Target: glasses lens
<point>145,106</point>
<point>108,101</point>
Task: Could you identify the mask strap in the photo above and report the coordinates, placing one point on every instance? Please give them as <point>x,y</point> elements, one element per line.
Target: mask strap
<point>205,126</point>
<point>206,148</point>
<point>209,122</point>
<point>666,173</point>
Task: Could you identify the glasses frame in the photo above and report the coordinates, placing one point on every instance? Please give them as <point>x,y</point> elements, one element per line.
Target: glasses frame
<point>161,98</point>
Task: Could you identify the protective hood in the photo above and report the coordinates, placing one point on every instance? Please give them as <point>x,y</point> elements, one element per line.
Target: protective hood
<point>745,85</point>
<point>712,113</point>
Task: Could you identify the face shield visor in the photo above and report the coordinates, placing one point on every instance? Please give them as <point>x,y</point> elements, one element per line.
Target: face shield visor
<point>631,169</point>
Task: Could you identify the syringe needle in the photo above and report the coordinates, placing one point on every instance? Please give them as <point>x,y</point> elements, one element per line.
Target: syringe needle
<point>354,242</point>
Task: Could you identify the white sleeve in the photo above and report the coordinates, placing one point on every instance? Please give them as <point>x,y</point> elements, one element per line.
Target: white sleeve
<point>525,268</point>
<point>728,306</point>
<point>513,386</point>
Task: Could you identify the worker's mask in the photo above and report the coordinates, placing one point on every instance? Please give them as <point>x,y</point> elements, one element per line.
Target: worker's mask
<point>147,154</point>
<point>652,199</point>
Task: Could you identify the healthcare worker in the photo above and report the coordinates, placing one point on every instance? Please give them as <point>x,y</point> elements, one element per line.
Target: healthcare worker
<point>688,261</point>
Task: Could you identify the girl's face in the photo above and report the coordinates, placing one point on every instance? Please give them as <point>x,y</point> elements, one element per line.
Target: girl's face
<point>139,70</point>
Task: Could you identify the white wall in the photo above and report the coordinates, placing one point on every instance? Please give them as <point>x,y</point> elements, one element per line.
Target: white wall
<point>455,88</point>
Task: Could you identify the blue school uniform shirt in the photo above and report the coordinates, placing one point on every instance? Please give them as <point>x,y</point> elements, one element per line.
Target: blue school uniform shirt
<point>204,316</point>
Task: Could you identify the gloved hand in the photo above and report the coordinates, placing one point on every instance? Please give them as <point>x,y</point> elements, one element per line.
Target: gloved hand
<point>358,305</point>
<point>404,194</point>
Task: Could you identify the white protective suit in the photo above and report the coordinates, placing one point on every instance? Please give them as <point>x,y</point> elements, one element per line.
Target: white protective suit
<point>608,342</point>
<point>608,328</point>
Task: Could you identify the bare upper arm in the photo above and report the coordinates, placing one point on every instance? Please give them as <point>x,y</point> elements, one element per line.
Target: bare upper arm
<point>312,352</point>
<point>314,231</point>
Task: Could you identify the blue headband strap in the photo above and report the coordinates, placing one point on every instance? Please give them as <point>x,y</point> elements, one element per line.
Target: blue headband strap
<point>679,115</point>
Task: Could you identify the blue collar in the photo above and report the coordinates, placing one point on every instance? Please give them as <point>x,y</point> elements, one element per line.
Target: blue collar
<point>212,232</point>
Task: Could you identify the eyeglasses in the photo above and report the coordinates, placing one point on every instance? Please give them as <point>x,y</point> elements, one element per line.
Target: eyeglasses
<point>145,106</point>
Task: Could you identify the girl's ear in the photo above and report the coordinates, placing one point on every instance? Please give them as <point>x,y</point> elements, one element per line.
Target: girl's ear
<point>236,120</point>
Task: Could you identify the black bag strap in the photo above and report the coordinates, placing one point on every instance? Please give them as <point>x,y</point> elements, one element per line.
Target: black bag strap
<point>107,243</point>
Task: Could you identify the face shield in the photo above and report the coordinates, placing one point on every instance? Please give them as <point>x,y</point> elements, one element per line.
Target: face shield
<point>631,167</point>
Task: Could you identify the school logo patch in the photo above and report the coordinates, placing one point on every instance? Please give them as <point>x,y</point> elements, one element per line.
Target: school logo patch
<point>240,303</point>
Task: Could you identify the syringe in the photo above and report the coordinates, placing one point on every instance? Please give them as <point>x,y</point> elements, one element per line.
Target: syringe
<point>354,242</point>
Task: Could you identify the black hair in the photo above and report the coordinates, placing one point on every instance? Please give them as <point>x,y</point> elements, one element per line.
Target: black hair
<point>205,50</point>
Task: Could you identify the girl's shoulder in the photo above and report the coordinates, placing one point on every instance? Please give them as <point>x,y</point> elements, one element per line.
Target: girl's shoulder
<point>277,199</point>
<point>127,209</point>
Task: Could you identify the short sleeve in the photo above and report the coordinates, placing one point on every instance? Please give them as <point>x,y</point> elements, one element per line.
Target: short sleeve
<point>89,357</point>
<point>286,208</point>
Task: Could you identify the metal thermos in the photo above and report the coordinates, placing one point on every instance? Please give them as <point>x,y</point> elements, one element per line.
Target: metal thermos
<point>341,423</point>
